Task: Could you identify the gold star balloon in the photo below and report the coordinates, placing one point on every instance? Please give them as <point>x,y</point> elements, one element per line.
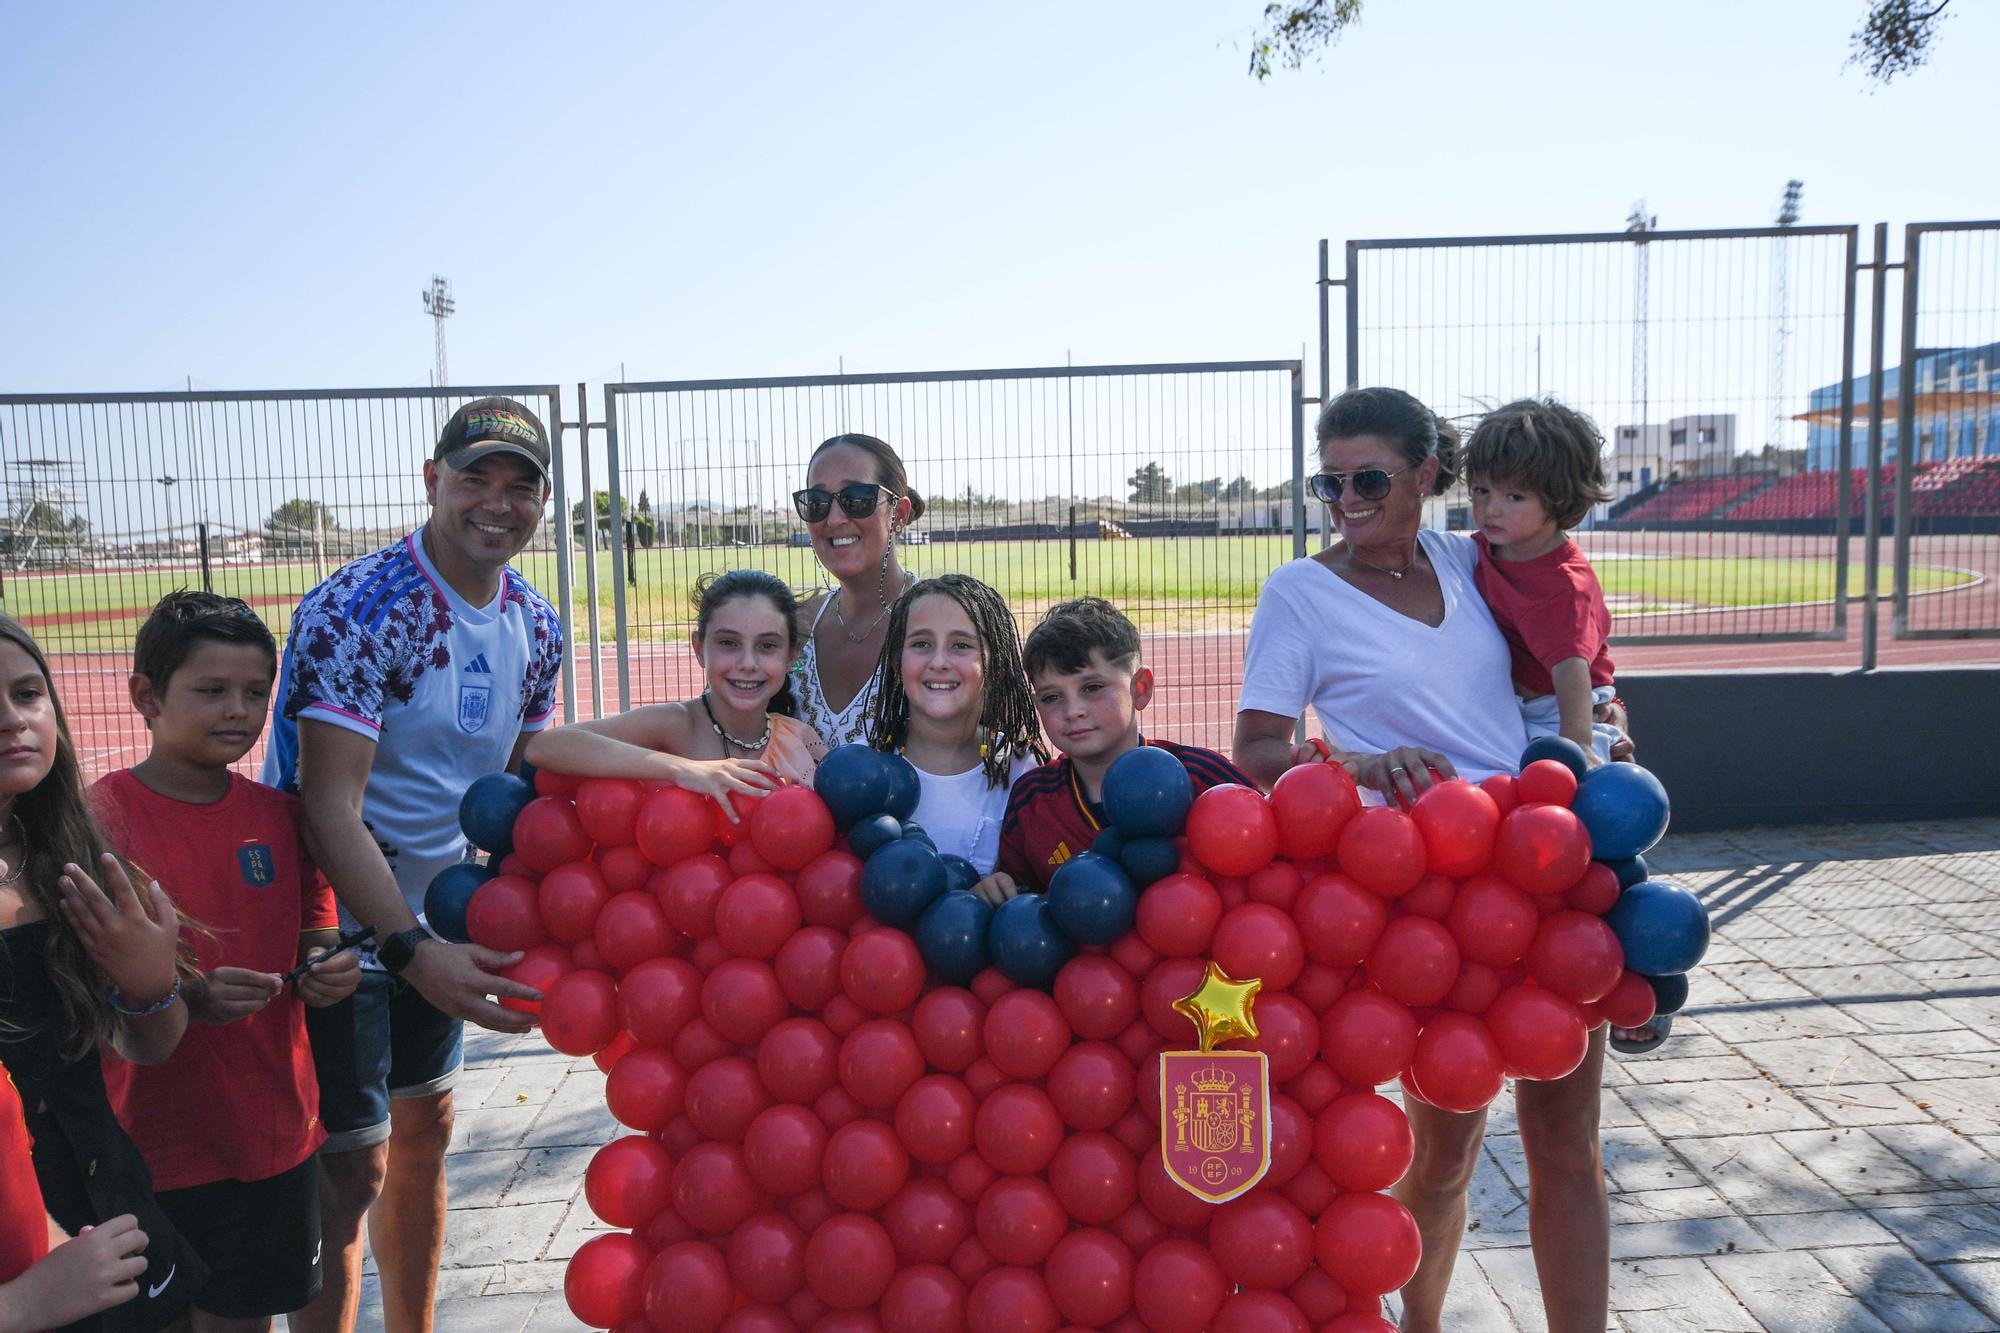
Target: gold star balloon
<point>1220,1009</point>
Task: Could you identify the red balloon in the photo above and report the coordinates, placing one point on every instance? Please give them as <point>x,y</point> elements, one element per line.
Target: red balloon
<point>1135,1131</point>
<point>990,984</point>
<point>672,825</point>
<point>1287,1034</point>
<point>926,1221</point>
<point>732,831</point>
<point>607,1057</point>
<point>1017,1129</point>
<point>724,1096</point>
<point>1631,1002</point>
<point>608,809</point>
<point>1474,990</point>
<point>628,1181</point>
<point>1231,830</point>
<point>1025,1033</point>
<point>1319,986</point>
<point>984,1078</point>
<point>1094,1176</point>
<point>677,1136</point>
<point>1358,1321</point>
<point>657,998</point>
<point>1368,1244</point>
<point>1415,961</point>
<point>970,1176</point>
<point>796,1060</point>
<point>811,1208</point>
<point>1011,1300</point>
<point>1318,1297</point>
<point>625,869</point>
<point>548,834</point>
<point>790,827</point>
<point>756,915</point>
<point>1542,848</point>
<point>707,953</point>
<point>1501,788</point>
<point>1139,1229</point>
<point>1383,851</point>
<point>849,1261</point>
<point>1019,1220</point>
<point>878,1062</point>
<point>882,971</point>
<point>1178,1286</point>
<point>1134,955</point>
<point>541,967</point>
<point>1311,1190</point>
<point>603,1283</point>
<point>1576,955</point>
<point>1457,1063</point>
<point>548,782</point>
<point>1459,823</point>
<point>713,1189</point>
<point>1277,884</point>
<point>783,1150</point>
<point>865,1165</point>
<point>687,1289</point>
<point>699,1044</point>
<point>1258,940</point>
<point>767,1258</point>
<point>934,1119</point>
<point>926,1298</point>
<point>1089,1274</point>
<point>1431,898</point>
<point>1091,1085</point>
<point>630,929</point>
<point>1291,1142</point>
<point>808,966</point>
<point>505,913</point>
<point>1546,781</point>
<point>1168,1201</point>
<point>580,1013</point>
<point>1261,1241</point>
<point>571,896</point>
<point>743,860</point>
<point>1338,920</point>
<point>1595,893</point>
<point>749,1319</point>
<point>1368,1038</point>
<point>1097,996</point>
<point>829,889</point>
<point>1260,1312</point>
<point>1493,921</point>
<point>1314,1087</point>
<point>645,1089</point>
<point>949,1023</point>
<point>1312,803</point>
<point>742,1000</point>
<point>1177,915</point>
<point>1363,1141</point>
<point>1541,1035</point>
<point>1171,979</point>
<point>689,889</point>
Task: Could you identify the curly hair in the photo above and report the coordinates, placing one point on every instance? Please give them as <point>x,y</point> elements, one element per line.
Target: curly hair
<point>1008,726</point>
<point>1542,446</point>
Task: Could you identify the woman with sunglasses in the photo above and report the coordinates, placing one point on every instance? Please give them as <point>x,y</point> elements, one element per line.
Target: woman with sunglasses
<point>1386,637</point>
<point>856,499</point>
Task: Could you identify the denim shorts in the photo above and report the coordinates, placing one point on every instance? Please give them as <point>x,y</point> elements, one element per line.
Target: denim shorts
<point>383,1042</point>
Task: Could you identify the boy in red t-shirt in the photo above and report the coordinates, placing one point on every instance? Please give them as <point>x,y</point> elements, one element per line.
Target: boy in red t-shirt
<point>230,1123</point>
<point>1089,687</point>
<point>1535,468</point>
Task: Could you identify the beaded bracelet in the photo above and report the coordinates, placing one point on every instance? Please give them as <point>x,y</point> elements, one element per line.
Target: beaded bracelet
<point>159,1006</point>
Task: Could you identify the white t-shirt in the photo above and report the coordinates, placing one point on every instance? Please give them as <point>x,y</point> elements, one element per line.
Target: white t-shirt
<point>1379,679</point>
<point>962,814</point>
<point>387,649</point>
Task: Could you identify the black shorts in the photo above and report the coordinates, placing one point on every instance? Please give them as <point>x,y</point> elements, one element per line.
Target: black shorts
<point>260,1238</point>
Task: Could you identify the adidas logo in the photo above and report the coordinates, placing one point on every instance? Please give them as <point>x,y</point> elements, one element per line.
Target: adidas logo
<point>1061,854</point>
<point>479,664</point>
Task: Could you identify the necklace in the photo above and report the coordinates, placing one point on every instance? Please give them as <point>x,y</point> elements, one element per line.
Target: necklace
<point>1355,556</point>
<point>21,861</point>
<point>881,595</point>
<point>728,739</point>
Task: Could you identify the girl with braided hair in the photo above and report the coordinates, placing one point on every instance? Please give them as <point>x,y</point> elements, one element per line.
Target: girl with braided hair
<point>951,697</point>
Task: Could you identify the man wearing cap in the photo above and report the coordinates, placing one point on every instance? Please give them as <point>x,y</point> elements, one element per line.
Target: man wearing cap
<point>408,674</point>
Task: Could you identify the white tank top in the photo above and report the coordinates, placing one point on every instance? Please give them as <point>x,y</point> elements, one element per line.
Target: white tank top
<point>846,726</point>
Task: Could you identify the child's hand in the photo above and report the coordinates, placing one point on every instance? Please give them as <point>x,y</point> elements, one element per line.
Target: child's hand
<point>230,993</point>
<point>331,981</point>
<point>79,1278</point>
<point>997,888</point>
<point>132,936</point>
<point>721,777</point>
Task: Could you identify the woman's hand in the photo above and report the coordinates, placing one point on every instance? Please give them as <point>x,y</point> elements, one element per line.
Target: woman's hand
<point>230,993</point>
<point>1402,774</point>
<point>99,1269</point>
<point>330,981</point>
<point>134,937</point>
<point>720,778</point>
<point>1613,714</point>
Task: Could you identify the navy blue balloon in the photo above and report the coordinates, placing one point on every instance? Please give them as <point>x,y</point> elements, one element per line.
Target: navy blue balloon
<point>1629,869</point>
<point>959,873</point>
<point>489,807</point>
<point>1093,899</point>
<point>904,788</point>
<point>1559,748</point>
<point>853,780</point>
<point>916,832</point>
<point>1109,843</point>
<point>900,881</point>
<point>1147,793</point>
<point>1669,993</point>
<point>1150,860</point>
<point>1661,926</point>
<point>871,834</point>
<point>445,901</point>
<point>951,935</point>
<point>528,772</point>
<point>1025,942</point>
<point>1623,807</point>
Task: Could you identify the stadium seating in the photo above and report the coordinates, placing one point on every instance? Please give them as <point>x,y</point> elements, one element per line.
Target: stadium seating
<point>1695,498</point>
<point>1955,488</point>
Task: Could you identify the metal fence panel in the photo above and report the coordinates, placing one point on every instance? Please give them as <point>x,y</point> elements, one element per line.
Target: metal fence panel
<point>1947,482</point>
<point>1718,365</point>
<point>1170,489</point>
<point>113,500</point>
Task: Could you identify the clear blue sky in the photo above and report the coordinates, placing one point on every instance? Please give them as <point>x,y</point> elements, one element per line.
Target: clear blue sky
<point>255,194</point>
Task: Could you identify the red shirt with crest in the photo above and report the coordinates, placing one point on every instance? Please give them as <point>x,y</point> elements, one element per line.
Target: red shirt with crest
<point>1549,609</point>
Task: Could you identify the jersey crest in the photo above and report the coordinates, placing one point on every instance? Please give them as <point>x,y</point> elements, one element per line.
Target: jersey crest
<point>475,704</point>
<point>258,864</point>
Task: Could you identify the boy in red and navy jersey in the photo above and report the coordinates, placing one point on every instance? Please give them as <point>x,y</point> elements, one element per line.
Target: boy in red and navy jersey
<point>1089,689</point>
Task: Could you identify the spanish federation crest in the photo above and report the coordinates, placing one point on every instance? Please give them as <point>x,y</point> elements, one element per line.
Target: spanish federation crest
<point>475,703</point>
<point>1215,1121</point>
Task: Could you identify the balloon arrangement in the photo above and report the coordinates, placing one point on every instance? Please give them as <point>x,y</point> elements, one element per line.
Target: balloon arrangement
<point>861,1100</point>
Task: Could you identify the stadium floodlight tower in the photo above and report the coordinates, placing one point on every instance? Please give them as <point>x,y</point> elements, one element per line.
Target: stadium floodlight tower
<point>1637,223</point>
<point>439,305</point>
<point>1781,306</point>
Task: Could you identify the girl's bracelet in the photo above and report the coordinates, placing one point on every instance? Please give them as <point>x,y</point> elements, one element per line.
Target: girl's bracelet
<point>159,1006</point>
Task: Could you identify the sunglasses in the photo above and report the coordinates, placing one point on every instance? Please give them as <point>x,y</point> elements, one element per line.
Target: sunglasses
<point>1370,483</point>
<point>857,500</point>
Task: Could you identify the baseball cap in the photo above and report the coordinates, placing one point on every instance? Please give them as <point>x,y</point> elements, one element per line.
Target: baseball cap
<point>488,426</point>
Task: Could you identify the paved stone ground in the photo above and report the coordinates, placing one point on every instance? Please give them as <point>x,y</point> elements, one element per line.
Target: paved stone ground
<point>1816,1149</point>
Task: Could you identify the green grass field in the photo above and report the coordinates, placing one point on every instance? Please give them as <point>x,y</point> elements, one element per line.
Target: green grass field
<point>1165,585</point>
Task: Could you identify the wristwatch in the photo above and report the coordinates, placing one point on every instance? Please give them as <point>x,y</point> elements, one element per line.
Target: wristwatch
<point>397,951</point>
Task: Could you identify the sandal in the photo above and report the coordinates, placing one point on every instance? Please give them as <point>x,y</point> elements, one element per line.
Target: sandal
<point>1645,1039</point>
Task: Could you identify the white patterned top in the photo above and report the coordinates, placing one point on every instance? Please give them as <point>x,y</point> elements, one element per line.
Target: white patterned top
<point>846,726</point>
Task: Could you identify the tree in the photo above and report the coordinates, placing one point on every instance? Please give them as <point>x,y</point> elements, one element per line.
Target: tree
<point>1240,489</point>
<point>602,501</point>
<point>1198,492</point>
<point>298,525</point>
<point>1895,37</point>
<point>648,526</point>
<point>1150,484</point>
<point>1292,34</point>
